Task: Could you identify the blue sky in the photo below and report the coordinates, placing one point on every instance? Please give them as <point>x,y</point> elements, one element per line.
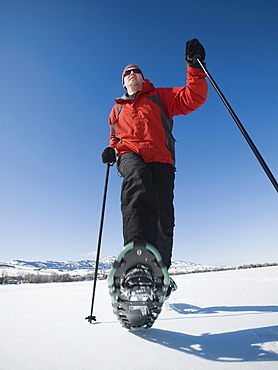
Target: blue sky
<point>60,69</point>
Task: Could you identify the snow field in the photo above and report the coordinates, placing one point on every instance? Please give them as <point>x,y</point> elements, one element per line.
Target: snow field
<point>217,320</point>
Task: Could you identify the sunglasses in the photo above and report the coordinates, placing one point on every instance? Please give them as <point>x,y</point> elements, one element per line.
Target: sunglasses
<point>128,72</point>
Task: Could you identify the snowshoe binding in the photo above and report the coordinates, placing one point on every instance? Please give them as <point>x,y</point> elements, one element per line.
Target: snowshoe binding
<point>138,284</point>
<point>172,287</point>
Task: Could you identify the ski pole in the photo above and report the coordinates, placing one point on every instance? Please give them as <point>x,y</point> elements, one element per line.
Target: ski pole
<point>91,318</point>
<point>241,128</point>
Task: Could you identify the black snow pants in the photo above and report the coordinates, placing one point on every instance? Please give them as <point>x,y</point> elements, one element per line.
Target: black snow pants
<point>147,203</point>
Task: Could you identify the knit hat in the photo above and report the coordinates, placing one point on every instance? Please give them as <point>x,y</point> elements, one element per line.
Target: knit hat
<point>129,66</point>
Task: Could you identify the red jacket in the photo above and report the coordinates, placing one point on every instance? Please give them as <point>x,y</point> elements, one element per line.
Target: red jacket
<point>144,127</point>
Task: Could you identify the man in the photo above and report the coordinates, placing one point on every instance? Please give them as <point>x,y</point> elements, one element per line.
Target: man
<point>141,142</point>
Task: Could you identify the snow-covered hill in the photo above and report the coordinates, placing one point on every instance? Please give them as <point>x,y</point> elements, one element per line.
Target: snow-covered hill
<point>19,268</point>
<point>104,264</point>
<point>82,268</point>
<point>214,321</point>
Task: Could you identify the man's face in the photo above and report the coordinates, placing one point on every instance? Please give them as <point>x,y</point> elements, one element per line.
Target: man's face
<point>133,78</point>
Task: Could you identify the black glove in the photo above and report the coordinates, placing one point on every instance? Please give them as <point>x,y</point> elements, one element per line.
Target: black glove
<point>108,155</point>
<point>193,51</point>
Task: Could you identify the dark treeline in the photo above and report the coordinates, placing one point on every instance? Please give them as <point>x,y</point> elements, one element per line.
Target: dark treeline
<point>50,278</point>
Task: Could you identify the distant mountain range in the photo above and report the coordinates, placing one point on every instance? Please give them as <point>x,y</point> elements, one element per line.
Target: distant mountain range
<point>18,271</point>
<point>104,264</point>
<point>19,267</point>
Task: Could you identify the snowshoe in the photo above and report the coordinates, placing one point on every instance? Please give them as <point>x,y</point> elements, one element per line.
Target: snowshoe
<point>138,284</point>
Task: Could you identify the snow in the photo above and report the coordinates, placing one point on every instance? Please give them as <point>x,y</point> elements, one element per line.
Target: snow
<point>215,320</point>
